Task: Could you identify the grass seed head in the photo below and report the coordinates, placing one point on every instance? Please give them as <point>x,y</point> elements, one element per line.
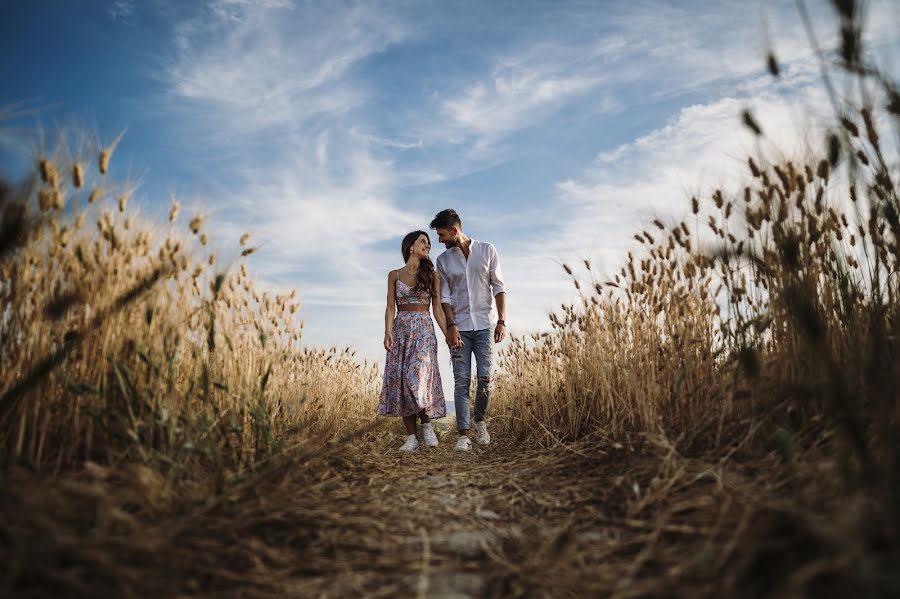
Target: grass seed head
<point>77,175</point>
<point>103,161</point>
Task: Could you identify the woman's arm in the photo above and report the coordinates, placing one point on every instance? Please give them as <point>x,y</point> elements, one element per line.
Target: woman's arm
<point>436,306</point>
<point>390,310</point>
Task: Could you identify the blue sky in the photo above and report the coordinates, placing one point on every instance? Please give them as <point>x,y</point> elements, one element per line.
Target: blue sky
<point>330,129</point>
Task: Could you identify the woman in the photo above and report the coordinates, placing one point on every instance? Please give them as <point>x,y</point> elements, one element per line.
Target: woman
<point>412,382</point>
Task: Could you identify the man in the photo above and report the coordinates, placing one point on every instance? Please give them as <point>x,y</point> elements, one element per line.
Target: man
<point>470,280</point>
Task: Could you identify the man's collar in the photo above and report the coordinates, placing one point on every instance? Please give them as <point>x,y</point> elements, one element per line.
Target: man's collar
<point>456,247</point>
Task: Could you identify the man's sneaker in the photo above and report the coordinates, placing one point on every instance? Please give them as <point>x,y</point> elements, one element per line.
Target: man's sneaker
<point>431,439</point>
<point>481,435</point>
<point>464,443</point>
<point>412,444</point>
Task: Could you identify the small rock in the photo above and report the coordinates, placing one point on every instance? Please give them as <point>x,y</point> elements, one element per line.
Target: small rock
<point>592,536</point>
<point>455,585</point>
<point>487,514</point>
<point>448,500</point>
<point>467,544</point>
<point>448,585</point>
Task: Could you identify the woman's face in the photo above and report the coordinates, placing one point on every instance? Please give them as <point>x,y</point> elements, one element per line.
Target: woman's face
<point>421,247</point>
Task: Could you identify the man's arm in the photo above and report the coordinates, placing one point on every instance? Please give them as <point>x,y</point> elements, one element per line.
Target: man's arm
<point>498,290</point>
<point>500,329</point>
<point>453,338</point>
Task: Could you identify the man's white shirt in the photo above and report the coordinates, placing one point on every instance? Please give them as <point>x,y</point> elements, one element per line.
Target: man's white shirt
<point>469,286</point>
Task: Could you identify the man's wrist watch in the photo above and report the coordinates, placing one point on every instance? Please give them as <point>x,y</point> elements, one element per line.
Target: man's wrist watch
<point>503,322</point>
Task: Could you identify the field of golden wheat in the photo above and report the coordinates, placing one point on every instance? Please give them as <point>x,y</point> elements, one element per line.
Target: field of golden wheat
<point>125,339</point>
<point>719,417</point>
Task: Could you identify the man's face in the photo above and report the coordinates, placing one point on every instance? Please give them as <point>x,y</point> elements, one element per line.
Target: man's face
<point>449,237</point>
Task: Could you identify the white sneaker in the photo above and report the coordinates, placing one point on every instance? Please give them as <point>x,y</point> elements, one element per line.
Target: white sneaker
<point>431,439</point>
<point>481,435</point>
<point>464,443</point>
<point>412,444</point>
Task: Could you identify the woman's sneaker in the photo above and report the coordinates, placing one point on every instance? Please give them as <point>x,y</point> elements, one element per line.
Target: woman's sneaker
<point>464,443</point>
<point>431,439</point>
<point>412,444</point>
<point>481,435</point>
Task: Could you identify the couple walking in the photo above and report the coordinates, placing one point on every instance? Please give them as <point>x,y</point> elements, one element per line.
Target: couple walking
<point>461,292</point>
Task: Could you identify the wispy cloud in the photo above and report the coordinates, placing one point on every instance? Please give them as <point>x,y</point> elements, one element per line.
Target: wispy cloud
<point>265,91</point>
<point>268,63</point>
<point>704,145</point>
<point>527,86</point>
<point>123,11</point>
<point>278,95</point>
<point>512,100</point>
<point>702,148</point>
<point>540,76</point>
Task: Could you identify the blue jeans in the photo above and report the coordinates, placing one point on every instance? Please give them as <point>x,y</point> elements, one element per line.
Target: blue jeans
<point>478,343</point>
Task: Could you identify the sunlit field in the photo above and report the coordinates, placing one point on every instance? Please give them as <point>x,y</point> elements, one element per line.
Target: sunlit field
<point>718,416</point>
<point>125,339</point>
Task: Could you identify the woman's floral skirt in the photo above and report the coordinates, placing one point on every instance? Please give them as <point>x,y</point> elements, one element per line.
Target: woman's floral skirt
<point>412,381</point>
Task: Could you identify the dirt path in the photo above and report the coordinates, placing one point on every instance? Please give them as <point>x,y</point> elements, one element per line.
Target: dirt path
<point>360,519</point>
<point>498,521</point>
<point>437,523</point>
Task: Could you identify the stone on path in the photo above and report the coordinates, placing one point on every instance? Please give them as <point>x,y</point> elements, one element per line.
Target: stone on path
<point>454,585</point>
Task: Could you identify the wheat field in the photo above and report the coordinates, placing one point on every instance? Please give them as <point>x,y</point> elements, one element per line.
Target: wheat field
<point>717,417</point>
<point>142,344</point>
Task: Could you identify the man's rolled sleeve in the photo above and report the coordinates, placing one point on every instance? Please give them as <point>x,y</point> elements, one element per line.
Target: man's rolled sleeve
<point>445,286</point>
<point>498,285</point>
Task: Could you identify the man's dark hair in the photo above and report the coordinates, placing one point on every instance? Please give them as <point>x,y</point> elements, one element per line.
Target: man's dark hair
<point>446,219</point>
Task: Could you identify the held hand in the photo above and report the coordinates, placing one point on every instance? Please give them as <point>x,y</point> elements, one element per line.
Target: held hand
<point>499,333</point>
<point>388,342</point>
<point>453,339</point>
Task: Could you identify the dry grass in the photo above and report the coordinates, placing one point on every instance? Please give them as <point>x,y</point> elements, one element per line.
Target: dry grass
<point>594,519</point>
<point>125,340</point>
<point>718,418</point>
<point>787,287</point>
<point>763,324</point>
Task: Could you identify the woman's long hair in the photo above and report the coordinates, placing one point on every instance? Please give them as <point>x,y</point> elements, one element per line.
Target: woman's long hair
<point>425,276</point>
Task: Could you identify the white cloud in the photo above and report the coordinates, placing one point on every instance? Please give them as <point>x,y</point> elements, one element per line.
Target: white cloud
<point>702,148</point>
<point>691,50</point>
<point>322,150</point>
<point>524,88</point>
<point>270,63</point>
<point>395,143</point>
<point>318,185</point>
<point>265,90</point>
<point>511,100</point>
